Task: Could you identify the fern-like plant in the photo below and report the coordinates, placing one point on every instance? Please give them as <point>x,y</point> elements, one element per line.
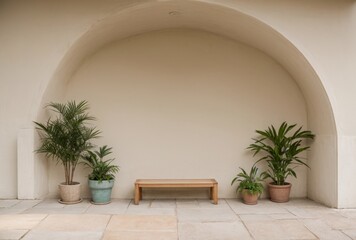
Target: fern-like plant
<point>67,136</point>
<point>281,149</point>
<point>249,182</point>
<point>101,169</point>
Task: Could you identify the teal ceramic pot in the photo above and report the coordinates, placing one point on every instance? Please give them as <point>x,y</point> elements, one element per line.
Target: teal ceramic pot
<point>101,191</point>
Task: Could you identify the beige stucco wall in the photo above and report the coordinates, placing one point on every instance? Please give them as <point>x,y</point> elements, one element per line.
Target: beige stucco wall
<point>36,35</point>
<point>184,104</point>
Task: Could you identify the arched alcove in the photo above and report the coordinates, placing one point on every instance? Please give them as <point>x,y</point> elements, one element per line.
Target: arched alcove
<point>232,24</point>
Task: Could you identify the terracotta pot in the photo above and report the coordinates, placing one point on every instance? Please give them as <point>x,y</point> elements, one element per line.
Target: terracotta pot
<point>250,199</point>
<point>69,194</point>
<point>279,193</point>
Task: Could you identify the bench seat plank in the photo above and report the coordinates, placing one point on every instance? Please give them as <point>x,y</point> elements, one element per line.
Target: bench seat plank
<point>212,184</point>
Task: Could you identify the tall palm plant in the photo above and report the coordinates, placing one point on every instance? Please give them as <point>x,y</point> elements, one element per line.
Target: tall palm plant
<point>67,137</point>
<point>281,150</point>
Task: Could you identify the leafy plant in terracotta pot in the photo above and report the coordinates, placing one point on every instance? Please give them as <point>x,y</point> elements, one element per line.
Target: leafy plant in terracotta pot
<point>250,185</point>
<point>65,138</point>
<point>102,177</point>
<point>281,151</point>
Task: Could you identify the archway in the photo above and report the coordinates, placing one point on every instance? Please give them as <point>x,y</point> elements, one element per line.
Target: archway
<point>228,22</point>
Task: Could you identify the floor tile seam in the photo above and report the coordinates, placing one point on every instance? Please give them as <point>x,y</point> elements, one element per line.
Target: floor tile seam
<point>108,222</point>
<point>176,218</point>
<point>342,232</point>
<point>128,205</point>
<point>339,229</point>
<point>85,208</point>
<point>16,204</point>
<point>247,229</point>
<point>227,202</point>
<point>10,200</point>
<point>309,229</point>
<point>23,235</point>
<point>331,228</point>
<point>34,227</point>
<point>35,204</point>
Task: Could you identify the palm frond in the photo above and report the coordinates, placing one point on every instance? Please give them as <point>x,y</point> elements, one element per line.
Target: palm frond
<point>280,149</point>
<point>67,135</point>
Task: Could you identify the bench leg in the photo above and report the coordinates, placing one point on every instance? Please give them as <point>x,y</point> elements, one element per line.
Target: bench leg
<point>214,193</point>
<point>140,189</point>
<point>137,194</point>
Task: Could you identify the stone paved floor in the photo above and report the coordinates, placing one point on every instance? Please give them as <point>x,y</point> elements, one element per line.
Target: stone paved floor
<point>174,219</point>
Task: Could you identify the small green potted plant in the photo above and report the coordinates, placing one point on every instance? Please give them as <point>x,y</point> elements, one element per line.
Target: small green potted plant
<point>102,176</point>
<point>250,185</point>
<point>65,137</point>
<point>281,151</point>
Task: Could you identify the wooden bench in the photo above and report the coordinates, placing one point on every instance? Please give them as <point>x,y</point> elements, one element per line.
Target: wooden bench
<point>212,184</point>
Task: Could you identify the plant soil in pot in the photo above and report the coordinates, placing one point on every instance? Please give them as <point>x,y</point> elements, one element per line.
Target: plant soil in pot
<point>279,193</point>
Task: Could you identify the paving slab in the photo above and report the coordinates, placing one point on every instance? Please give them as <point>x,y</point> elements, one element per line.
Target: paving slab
<point>279,230</point>
<point>304,202</point>
<point>263,207</point>
<point>205,215</point>
<point>7,211</point>
<point>337,221</point>
<point>350,233</point>
<point>115,207</point>
<point>324,231</point>
<point>301,212</point>
<point>74,222</point>
<point>162,203</point>
<point>27,204</point>
<point>187,203</point>
<point>20,221</point>
<point>142,223</point>
<point>206,203</point>
<point>62,235</point>
<point>21,207</point>
<point>318,211</point>
<point>63,210</point>
<point>49,203</point>
<point>145,208</point>
<point>12,234</point>
<point>213,231</point>
<point>266,217</point>
<point>5,203</point>
<point>141,235</point>
<point>349,213</point>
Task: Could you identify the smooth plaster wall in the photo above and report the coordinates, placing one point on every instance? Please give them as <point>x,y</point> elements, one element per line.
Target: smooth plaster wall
<point>183,104</point>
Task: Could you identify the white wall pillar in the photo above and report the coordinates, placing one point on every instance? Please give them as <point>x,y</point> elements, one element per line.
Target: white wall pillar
<point>32,174</point>
<point>25,164</point>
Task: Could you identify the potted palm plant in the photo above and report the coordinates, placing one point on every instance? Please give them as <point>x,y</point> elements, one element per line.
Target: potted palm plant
<point>65,138</point>
<point>101,179</point>
<point>281,150</point>
<point>250,185</point>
